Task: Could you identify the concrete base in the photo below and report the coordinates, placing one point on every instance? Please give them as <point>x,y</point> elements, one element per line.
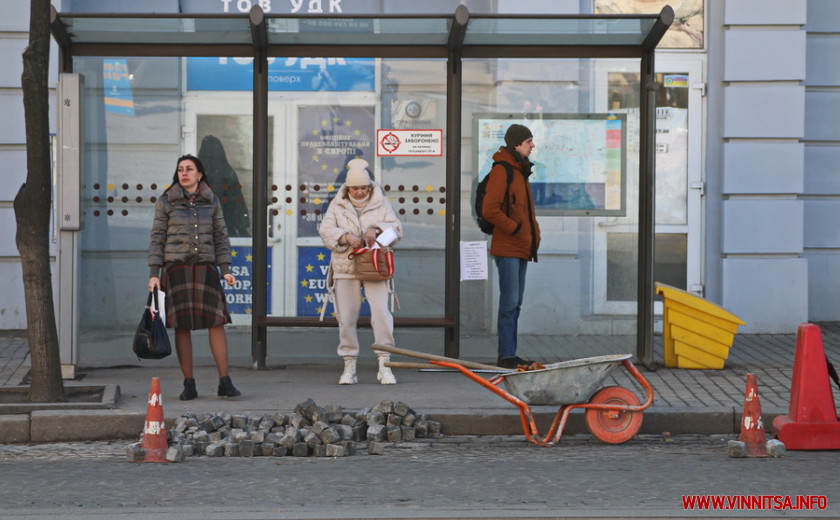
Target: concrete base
<point>14,399</point>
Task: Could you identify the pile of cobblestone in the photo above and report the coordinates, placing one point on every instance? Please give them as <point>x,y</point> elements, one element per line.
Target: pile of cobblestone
<point>310,431</point>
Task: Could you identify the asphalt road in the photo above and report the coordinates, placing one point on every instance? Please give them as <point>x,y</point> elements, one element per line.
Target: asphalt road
<point>467,477</point>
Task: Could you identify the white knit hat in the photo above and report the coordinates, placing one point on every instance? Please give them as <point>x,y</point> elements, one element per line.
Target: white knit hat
<point>357,174</point>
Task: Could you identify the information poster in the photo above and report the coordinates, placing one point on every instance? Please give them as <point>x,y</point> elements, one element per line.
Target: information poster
<point>117,87</point>
<point>329,138</point>
<point>284,74</point>
<point>474,260</point>
<point>579,166</point>
<point>313,263</point>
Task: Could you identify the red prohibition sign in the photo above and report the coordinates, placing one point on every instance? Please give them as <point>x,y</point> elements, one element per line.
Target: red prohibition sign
<point>390,142</point>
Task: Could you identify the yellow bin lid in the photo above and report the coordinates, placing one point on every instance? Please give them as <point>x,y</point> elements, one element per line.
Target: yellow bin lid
<point>694,301</point>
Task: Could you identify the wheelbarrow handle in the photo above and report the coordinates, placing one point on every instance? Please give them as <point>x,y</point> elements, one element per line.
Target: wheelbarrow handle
<point>405,364</point>
<point>423,355</point>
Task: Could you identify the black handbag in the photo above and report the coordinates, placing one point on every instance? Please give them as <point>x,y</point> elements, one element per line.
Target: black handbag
<point>151,341</point>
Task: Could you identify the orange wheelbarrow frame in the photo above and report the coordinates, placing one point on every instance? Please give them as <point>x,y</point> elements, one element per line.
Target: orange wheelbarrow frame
<point>614,410</point>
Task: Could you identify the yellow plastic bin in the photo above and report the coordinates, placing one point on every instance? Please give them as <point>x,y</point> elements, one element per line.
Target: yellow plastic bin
<point>697,333</point>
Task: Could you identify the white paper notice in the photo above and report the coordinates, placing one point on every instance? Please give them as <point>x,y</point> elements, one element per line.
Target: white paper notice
<point>161,298</point>
<point>474,260</point>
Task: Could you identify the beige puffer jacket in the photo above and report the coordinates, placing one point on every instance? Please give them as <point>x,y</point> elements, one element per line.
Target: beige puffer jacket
<point>342,217</point>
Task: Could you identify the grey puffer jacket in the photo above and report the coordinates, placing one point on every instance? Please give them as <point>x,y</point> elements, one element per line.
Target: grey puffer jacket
<point>342,217</point>
<point>189,232</point>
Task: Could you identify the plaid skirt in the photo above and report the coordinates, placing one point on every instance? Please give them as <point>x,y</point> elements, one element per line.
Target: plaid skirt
<point>194,296</point>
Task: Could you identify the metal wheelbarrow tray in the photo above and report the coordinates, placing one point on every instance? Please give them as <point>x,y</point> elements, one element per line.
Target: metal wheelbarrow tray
<point>613,414</point>
<point>566,382</point>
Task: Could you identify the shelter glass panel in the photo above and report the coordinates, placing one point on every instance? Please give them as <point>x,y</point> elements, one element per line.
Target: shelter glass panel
<point>396,124</point>
<point>170,31</point>
<point>358,31</point>
<point>139,118</point>
<point>561,101</point>
<point>557,31</point>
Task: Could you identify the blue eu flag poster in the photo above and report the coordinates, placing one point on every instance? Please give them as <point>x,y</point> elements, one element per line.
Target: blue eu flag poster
<point>239,296</point>
<point>313,263</point>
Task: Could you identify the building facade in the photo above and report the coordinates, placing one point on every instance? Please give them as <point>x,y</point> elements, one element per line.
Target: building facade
<point>747,183</point>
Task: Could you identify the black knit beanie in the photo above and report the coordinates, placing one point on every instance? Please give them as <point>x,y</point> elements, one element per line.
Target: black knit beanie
<point>516,134</point>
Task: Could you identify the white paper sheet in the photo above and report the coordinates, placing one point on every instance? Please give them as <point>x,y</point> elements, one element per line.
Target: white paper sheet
<point>474,260</point>
<point>387,237</point>
<point>161,298</point>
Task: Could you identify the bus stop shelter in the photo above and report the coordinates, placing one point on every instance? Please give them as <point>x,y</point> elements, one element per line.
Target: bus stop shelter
<point>452,37</point>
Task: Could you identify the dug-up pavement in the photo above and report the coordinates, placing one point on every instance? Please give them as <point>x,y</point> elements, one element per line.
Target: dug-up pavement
<point>109,394</point>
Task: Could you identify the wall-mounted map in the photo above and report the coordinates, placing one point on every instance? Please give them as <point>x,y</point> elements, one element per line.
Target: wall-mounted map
<point>579,166</point>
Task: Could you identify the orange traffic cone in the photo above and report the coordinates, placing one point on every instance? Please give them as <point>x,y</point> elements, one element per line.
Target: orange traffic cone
<point>154,432</point>
<point>752,428</point>
<point>811,422</point>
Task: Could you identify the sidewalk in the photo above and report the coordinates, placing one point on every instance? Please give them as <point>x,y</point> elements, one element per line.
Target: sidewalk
<point>302,364</point>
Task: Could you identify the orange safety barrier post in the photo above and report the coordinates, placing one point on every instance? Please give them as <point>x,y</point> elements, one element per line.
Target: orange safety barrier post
<point>753,434</point>
<point>753,439</point>
<point>154,433</point>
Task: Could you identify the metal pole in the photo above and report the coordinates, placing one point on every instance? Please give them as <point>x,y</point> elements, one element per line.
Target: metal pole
<point>647,185</point>
<point>59,32</point>
<point>451,347</point>
<point>260,189</point>
<point>647,158</point>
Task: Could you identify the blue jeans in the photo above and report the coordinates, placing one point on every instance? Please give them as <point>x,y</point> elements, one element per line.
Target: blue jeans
<point>511,292</point>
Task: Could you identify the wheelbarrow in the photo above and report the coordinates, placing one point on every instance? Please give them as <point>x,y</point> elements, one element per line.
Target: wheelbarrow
<point>613,414</point>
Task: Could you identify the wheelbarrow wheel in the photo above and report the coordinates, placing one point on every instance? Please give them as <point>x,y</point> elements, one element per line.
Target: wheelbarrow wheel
<point>614,426</point>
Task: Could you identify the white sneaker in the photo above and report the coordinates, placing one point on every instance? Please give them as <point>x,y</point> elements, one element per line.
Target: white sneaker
<point>385,376</point>
<point>348,377</point>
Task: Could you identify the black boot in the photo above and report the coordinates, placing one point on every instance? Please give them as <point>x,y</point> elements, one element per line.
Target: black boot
<point>189,392</point>
<point>226,388</point>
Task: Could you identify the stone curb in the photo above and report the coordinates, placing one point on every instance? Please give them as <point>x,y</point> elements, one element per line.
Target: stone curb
<point>93,425</point>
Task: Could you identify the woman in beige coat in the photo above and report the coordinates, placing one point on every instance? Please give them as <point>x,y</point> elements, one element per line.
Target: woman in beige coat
<point>355,217</point>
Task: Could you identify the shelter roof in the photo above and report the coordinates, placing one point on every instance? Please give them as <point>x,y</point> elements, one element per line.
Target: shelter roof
<point>166,34</point>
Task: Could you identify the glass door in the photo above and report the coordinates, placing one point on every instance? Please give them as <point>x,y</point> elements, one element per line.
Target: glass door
<point>218,128</point>
<point>311,139</point>
<point>679,188</point>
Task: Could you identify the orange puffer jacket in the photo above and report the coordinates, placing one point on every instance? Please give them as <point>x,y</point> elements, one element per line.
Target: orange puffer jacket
<point>516,232</point>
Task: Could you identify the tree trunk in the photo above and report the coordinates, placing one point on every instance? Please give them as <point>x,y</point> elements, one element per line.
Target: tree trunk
<point>32,213</point>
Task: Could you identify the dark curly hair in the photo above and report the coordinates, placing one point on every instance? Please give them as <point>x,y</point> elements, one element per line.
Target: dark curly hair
<point>198,164</point>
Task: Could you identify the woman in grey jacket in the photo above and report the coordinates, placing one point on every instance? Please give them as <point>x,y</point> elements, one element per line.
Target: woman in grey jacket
<point>355,217</point>
<point>190,243</point>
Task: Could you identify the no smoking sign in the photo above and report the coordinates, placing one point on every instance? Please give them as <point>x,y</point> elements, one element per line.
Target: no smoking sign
<point>390,142</point>
<point>400,143</point>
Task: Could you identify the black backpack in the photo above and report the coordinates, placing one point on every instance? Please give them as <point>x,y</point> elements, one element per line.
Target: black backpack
<point>481,190</point>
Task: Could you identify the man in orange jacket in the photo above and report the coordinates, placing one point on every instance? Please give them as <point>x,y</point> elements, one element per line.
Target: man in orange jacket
<point>516,234</point>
